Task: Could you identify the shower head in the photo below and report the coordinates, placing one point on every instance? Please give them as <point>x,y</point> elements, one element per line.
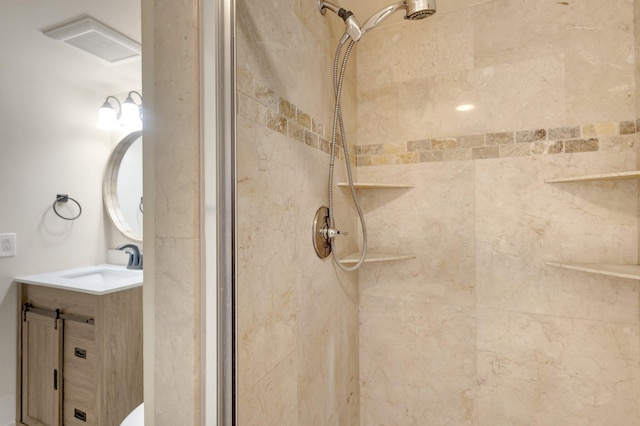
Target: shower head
<point>420,9</point>
<point>415,9</point>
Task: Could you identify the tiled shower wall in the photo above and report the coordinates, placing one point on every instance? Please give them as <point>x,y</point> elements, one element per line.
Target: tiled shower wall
<point>297,315</point>
<point>477,329</point>
<point>636,10</point>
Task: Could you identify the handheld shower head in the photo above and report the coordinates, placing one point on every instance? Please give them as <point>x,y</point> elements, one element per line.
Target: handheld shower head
<point>416,9</point>
<point>420,9</point>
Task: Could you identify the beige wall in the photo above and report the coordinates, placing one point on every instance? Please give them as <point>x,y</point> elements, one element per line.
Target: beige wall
<point>43,155</point>
<point>476,329</point>
<point>297,316</point>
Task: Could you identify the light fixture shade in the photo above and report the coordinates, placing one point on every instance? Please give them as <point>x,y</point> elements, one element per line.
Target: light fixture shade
<point>130,118</point>
<point>107,118</point>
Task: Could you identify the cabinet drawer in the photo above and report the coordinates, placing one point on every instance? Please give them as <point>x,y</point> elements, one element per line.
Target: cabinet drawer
<point>79,406</point>
<point>80,330</point>
<point>54,298</point>
<point>80,355</point>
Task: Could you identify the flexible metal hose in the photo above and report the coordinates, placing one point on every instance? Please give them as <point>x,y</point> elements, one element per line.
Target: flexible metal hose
<point>338,80</point>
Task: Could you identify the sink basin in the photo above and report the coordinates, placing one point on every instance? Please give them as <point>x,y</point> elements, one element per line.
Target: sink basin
<point>97,279</point>
<point>100,275</point>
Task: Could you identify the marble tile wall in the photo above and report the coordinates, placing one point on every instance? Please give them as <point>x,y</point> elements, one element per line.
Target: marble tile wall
<point>477,330</point>
<point>524,65</point>
<point>297,314</point>
<point>636,14</point>
<point>417,334</point>
<point>176,256</point>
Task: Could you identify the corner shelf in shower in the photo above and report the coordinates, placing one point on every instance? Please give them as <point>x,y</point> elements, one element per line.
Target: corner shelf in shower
<point>368,185</point>
<point>375,257</point>
<point>621,271</point>
<point>612,270</point>
<point>597,177</point>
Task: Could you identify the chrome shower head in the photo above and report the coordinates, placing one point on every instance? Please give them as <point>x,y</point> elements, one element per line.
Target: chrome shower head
<point>419,9</point>
<point>415,9</point>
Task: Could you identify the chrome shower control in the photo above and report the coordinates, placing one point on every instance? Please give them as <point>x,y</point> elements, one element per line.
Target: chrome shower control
<point>329,233</point>
<point>319,230</point>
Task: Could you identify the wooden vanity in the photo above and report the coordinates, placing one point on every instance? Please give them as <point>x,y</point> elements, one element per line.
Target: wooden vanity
<point>79,356</point>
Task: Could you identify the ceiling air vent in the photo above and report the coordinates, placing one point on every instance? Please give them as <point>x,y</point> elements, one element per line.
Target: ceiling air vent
<point>96,38</point>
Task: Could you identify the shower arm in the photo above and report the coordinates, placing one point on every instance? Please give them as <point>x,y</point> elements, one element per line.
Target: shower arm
<point>322,5</point>
<point>353,26</point>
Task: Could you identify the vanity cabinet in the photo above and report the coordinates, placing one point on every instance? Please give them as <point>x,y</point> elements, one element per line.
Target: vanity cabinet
<point>80,356</point>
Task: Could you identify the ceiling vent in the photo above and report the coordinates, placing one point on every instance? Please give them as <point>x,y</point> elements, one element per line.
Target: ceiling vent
<point>96,38</point>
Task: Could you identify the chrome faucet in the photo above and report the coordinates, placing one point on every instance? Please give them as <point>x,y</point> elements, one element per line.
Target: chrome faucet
<point>135,257</point>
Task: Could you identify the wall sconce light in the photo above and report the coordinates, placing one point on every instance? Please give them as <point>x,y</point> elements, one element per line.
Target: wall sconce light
<point>131,117</point>
<point>128,116</point>
<point>107,116</point>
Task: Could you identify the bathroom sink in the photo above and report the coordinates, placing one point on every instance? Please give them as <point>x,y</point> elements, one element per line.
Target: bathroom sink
<point>97,279</point>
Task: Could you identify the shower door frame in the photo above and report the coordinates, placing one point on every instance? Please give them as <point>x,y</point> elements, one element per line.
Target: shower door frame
<point>218,67</point>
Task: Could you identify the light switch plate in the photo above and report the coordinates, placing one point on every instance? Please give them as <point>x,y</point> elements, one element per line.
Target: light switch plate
<point>7,245</point>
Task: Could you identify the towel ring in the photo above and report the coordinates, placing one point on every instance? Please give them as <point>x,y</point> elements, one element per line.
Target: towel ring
<point>63,198</point>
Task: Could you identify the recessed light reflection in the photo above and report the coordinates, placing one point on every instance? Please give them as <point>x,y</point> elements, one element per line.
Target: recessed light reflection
<point>465,107</point>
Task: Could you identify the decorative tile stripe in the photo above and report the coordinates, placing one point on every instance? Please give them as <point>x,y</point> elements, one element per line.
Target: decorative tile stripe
<point>607,136</point>
<point>263,106</point>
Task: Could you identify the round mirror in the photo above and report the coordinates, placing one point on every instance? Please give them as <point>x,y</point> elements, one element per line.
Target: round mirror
<point>122,186</point>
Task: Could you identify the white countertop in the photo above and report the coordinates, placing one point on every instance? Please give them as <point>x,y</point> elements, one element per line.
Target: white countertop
<point>97,279</point>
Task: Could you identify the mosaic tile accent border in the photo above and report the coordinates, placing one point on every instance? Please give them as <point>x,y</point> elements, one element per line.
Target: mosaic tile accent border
<point>263,106</point>
<point>607,136</point>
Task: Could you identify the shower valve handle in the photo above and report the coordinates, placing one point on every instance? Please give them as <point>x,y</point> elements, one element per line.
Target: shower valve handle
<point>331,233</point>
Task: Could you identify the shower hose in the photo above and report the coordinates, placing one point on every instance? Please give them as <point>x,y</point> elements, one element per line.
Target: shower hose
<point>338,80</point>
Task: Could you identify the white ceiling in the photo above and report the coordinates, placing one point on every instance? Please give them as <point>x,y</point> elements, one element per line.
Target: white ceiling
<point>25,49</point>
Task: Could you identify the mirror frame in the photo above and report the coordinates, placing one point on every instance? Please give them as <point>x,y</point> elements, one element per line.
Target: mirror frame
<point>110,186</point>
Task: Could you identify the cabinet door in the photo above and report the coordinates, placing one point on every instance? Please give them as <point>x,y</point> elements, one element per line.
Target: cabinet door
<point>41,370</point>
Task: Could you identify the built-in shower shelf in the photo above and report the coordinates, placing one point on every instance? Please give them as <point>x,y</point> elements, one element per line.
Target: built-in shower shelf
<point>621,271</point>
<point>597,177</point>
<point>367,185</point>
<point>373,257</point>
